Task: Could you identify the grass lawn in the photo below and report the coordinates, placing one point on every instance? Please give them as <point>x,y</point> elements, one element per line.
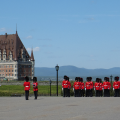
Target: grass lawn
<point>8,90</point>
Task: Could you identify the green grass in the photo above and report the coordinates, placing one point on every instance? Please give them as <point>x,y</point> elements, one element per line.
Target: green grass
<point>8,90</point>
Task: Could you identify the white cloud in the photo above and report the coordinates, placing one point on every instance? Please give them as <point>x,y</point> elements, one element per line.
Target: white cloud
<point>34,49</point>
<point>29,37</point>
<point>2,29</point>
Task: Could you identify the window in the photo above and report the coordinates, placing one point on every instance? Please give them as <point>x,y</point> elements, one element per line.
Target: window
<point>9,66</point>
<point>9,74</point>
<point>15,74</point>
<point>9,70</point>
<point>15,66</point>
<point>0,70</point>
<point>6,66</point>
<point>12,66</point>
<point>6,70</point>
<point>12,74</point>
<point>12,70</point>
<point>6,74</point>
<point>15,70</point>
<point>0,74</point>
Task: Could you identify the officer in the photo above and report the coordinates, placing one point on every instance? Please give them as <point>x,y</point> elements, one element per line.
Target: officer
<point>35,87</point>
<point>26,87</point>
<point>101,87</point>
<point>76,87</point>
<point>69,86</point>
<point>82,88</point>
<point>91,86</point>
<point>65,86</point>
<point>87,87</point>
<point>116,87</point>
<point>97,87</point>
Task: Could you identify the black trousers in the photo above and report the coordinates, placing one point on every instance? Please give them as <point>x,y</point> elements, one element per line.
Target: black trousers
<point>82,93</point>
<point>65,92</point>
<point>68,93</point>
<point>87,93</point>
<point>116,94</point>
<point>106,93</point>
<point>76,93</point>
<point>97,93</point>
<point>100,92</point>
<point>91,94</point>
<point>26,94</point>
<point>35,94</point>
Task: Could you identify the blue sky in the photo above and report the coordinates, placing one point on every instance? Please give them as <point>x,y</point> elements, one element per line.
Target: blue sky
<point>82,33</point>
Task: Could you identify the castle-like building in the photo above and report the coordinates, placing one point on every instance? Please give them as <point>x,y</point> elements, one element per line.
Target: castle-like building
<point>15,62</point>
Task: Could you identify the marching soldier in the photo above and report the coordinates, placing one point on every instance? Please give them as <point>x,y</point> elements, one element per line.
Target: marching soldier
<point>109,86</point>
<point>87,87</point>
<point>65,86</point>
<point>82,88</point>
<point>76,87</point>
<point>79,80</point>
<point>97,87</point>
<point>26,87</point>
<point>35,87</point>
<point>116,87</point>
<point>101,87</point>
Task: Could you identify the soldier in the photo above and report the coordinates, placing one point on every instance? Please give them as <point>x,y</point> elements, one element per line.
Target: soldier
<point>76,87</point>
<point>106,87</point>
<point>82,88</point>
<point>65,86</point>
<point>101,87</point>
<point>116,87</point>
<point>97,87</point>
<point>79,80</point>
<point>26,87</point>
<point>35,87</point>
<point>69,86</point>
<point>109,86</point>
<point>91,86</point>
<point>87,87</point>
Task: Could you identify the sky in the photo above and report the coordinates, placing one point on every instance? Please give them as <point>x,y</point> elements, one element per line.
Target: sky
<point>82,33</point>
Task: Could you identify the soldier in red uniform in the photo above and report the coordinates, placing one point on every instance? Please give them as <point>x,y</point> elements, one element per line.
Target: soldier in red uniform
<point>87,87</point>
<point>76,87</point>
<point>116,87</point>
<point>26,87</point>
<point>69,86</point>
<point>106,87</point>
<point>101,87</point>
<point>35,87</point>
<point>79,80</point>
<point>65,86</point>
<point>97,87</point>
<point>82,88</point>
<point>91,86</point>
<point>109,86</point>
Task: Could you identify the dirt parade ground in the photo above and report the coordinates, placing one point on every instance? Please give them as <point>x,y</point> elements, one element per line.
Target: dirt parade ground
<point>59,108</point>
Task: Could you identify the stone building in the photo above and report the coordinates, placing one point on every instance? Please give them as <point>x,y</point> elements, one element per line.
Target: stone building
<point>15,62</point>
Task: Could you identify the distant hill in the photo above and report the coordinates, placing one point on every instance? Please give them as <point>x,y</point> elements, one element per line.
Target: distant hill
<point>75,71</point>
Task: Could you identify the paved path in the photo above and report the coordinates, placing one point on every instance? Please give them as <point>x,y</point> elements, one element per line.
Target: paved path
<point>59,108</point>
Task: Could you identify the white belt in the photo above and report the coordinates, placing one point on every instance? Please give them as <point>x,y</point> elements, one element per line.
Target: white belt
<point>105,85</point>
<point>65,84</point>
<point>26,86</point>
<point>116,85</point>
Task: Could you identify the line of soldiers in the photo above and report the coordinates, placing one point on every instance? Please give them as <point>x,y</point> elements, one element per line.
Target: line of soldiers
<point>80,89</point>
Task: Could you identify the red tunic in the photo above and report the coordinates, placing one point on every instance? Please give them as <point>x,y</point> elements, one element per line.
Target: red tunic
<point>26,85</point>
<point>65,84</point>
<point>35,86</point>
<point>91,84</point>
<point>101,86</point>
<point>106,85</point>
<point>76,85</point>
<point>87,86</point>
<point>69,85</point>
<point>116,85</point>
<point>82,85</point>
<point>97,86</point>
